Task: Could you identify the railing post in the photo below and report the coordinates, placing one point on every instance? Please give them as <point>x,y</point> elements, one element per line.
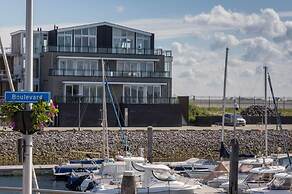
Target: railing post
<point>209,102</point>
<point>239,105</point>
<point>150,144</point>
<point>254,99</point>
<point>128,183</point>
<point>284,105</point>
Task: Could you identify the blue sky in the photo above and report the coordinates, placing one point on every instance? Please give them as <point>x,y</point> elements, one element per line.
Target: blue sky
<point>68,11</point>
<point>257,31</point>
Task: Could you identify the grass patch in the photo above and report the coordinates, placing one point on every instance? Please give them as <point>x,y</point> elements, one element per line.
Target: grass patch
<point>195,110</point>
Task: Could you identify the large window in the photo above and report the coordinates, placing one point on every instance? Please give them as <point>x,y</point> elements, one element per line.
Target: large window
<point>142,94</point>
<point>88,93</point>
<point>78,67</point>
<point>64,41</point>
<point>85,40</point>
<point>123,41</point>
<point>142,44</point>
<point>135,68</point>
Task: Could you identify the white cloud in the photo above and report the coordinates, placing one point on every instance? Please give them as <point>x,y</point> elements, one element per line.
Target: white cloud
<point>285,13</point>
<point>120,8</point>
<point>223,41</point>
<point>267,22</point>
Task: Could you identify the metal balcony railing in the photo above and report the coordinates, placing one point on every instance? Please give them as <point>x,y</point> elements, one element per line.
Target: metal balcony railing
<point>97,73</point>
<point>134,51</point>
<point>125,100</point>
<point>149,100</point>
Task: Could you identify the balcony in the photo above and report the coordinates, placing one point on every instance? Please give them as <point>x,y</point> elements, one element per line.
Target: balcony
<point>131,51</point>
<point>124,100</point>
<point>97,73</point>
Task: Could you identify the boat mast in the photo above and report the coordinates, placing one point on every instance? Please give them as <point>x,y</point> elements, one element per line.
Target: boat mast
<point>7,69</point>
<point>104,116</point>
<point>224,96</point>
<point>266,113</point>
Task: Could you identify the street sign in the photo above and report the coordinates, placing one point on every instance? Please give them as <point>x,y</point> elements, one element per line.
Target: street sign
<point>27,97</point>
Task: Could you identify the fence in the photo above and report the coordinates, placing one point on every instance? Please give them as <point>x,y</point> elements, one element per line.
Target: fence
<point>243,102</point>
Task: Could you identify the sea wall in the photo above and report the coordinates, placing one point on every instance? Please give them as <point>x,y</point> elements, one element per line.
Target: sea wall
<point>53,147</point>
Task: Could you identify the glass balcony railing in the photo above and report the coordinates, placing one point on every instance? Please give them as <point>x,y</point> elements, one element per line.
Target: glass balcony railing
<point>97,73</point>
<point>135,51</point>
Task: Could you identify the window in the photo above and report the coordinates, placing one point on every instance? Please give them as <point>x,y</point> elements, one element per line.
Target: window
<point>85,40</point>
<point>64,41</point>
<point>77,44</point>
<point>133,94</point>
<point>123,40</point>
<point>78,67</point>
<point>142,44</point>
<point>135,68</point>
<point>142,94</point>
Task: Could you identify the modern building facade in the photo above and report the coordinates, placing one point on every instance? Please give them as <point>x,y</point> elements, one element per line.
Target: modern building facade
<point>68,62</point>
<point>4,84</point>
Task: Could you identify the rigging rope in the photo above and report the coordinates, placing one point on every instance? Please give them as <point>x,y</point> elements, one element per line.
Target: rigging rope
<point>122,133</point>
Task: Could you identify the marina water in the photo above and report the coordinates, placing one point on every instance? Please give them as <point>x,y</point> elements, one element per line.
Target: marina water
<point>44,181</point>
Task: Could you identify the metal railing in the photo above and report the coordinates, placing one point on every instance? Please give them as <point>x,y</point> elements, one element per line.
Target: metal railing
<point>125,100</point>
<point>87,49</point>
<point>150,100</point>
<point>243,102</point>
<point>97,73</point>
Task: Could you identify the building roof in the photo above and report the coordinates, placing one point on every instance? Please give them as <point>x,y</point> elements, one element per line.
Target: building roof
<point>23,31</point>
<point>106,24</point>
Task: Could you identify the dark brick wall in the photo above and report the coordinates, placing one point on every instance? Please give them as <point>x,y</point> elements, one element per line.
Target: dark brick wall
<point>157,115</point>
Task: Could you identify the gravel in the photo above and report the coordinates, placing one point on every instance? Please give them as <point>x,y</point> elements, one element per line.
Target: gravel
<point>53,147</point>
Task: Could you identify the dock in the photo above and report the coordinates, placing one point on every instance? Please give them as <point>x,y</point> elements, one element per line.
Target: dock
<point>16,170</point>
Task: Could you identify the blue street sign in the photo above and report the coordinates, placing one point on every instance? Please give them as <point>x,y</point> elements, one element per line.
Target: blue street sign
<point>27,97</point>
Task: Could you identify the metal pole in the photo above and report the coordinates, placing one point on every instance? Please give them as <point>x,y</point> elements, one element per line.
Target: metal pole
<point>6,65</point>
<point>104,116</point>
<point>234,116</point>
<point>79,112</point>
<point>27,165</point>
<point>224,96</point>
<point>266,113</point>
<point>233,173</point>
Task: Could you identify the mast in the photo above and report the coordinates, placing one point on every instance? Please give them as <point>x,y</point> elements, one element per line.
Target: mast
<point>224,96</point>
<point>7,69</point>
<point>104,115</point>
<point>266,113</point>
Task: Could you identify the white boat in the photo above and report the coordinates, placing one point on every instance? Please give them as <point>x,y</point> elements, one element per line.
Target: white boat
<point>193,167</point>
<point>246,165</point>
<point>281,184</point>
<point>155,178</point>
<point>257,177</point>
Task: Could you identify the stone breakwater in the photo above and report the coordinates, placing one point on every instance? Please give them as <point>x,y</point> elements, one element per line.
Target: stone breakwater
<point>53,147</point>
